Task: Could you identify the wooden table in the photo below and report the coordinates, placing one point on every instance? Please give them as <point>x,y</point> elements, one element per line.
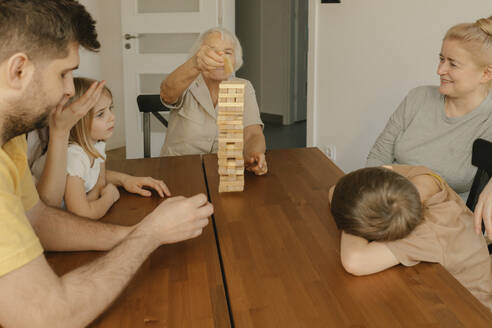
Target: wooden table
<point>179,285</point>
<point>280,250</point>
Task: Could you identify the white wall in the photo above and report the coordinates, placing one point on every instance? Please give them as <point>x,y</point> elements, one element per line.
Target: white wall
<point>108,63</point>
<point>266,52</point>
<point>364,58</point>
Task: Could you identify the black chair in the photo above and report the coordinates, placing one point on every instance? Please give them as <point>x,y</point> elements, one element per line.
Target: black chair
<point>148,104</point>
<point>482,159</point>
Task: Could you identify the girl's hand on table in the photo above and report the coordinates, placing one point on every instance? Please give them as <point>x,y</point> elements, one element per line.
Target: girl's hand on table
<point>136,185</point>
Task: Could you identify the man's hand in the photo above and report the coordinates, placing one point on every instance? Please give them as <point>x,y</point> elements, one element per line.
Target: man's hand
<point>256,163</point>
<point>177,219</point>
<point>483,211</point>
<point>135,185</point>
<point>63,118</point>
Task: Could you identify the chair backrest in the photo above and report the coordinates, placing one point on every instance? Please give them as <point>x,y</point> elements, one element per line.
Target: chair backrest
<point>150,104</point>
<point>482,159</point>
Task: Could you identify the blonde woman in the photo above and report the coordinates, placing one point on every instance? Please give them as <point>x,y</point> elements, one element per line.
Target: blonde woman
<point>192,90</point>
<point>91,189</point>
<point>435,126</point>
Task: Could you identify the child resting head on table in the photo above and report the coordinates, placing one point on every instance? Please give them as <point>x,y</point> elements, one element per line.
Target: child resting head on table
<point>408,214</point>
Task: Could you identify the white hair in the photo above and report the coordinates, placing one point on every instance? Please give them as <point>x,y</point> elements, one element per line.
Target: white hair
<point>225,34</point>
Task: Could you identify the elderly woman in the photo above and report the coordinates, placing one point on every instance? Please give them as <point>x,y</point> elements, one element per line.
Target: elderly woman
<point>435,126</point>
<point>192,90</point>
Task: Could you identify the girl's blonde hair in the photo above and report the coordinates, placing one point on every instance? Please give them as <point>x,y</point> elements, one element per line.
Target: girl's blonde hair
<point>476,38</point>
<point>80,133</point>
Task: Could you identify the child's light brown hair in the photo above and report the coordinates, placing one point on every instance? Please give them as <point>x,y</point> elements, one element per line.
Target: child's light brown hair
<point>377,204</point>
<point>80,133</point>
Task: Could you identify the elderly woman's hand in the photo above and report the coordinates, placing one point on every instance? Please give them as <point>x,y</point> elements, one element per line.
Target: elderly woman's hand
<point>256,163</point>
<point>483,210</point>
<point>208,59</point>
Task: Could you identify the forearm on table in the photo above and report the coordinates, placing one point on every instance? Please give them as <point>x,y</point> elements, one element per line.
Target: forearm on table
<point>254,143</point>
<point>178,81</point>
<point>361,257</point>
<point>95,209</point>
<point>108,276</point>
<point>116,178</point>
<point>76,298</point>
<point>51,184</point>
<point>59,230</point>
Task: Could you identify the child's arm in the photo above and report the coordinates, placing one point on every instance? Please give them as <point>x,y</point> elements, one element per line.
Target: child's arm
<point>426,185</point>
<point>135,184</point>
<point>361,257</point>
<point>51,184</point>
<point>77,200</point>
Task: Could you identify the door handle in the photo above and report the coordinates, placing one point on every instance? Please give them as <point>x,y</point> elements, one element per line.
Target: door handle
<point>129,36</point>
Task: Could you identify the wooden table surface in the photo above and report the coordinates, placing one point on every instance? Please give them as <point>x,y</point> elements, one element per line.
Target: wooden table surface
<point>179,285</point>
<point>280,250</point>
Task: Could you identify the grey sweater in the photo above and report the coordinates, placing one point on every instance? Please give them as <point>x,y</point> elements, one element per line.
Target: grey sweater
<point>420,133</point>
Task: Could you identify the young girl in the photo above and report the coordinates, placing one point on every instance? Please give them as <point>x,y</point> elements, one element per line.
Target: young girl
<point>91,189</point>
<point>47,147</point>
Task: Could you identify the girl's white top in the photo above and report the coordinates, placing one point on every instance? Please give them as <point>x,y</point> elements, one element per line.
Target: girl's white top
<point>79,164</point>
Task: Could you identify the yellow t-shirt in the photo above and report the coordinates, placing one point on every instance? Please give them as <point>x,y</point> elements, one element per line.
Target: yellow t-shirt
<point>18,242</point>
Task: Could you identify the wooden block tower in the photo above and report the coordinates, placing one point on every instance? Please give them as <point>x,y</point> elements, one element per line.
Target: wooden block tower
<point>230,124</point>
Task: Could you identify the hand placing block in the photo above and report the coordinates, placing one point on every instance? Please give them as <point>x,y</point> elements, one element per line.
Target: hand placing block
<point>231,136</point>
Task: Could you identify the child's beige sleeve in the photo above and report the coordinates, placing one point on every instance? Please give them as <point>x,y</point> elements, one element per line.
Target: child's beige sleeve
<point>420,246</point>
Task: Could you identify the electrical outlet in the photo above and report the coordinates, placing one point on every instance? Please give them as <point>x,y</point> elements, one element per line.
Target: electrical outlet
<point>330,151</point>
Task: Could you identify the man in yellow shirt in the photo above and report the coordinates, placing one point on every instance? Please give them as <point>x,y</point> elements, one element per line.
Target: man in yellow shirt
<point>39,44</point>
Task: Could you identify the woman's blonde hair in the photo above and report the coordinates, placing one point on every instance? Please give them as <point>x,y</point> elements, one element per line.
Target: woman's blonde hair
<point>476,38</point>
<point>80,133</point>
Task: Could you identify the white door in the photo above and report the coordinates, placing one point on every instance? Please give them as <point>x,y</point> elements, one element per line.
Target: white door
<point>157,35</point>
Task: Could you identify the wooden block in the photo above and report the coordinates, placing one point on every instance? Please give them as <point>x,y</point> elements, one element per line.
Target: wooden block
<point>230,145</point>
<point>232,183</point>
<point>230,110</point>
<point>231,129</point>
<point>227,170</point>
<point>225,153</point>
<point>230,137</point>
<point>228,162</point>
<point>231,85</point>
<point>228,69</point>
<point>229,122</point>
<point>225,188</point>
<point>231,104</point>
<point>232,177</point>
<point>238,97</point>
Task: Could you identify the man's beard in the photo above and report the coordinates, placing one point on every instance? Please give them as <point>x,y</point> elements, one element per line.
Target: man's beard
<point>16,125</point>
<point>19,119</point>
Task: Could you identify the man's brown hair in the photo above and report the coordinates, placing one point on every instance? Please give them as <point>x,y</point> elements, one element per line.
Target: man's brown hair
<point>377,204</point>
<point>44,28</point>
